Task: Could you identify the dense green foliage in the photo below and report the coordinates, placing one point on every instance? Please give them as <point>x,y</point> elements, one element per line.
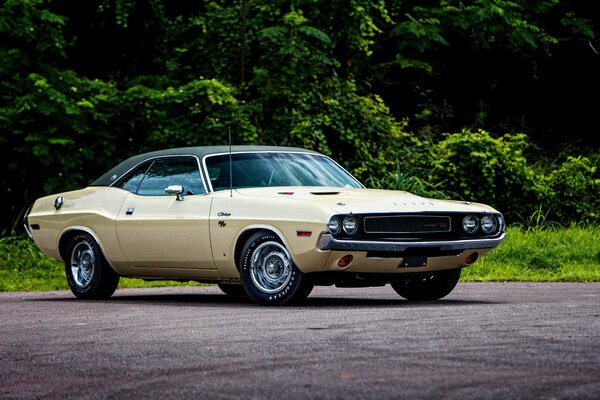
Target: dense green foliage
<point>479,167</point>
<point>557,254</point>
<point>572,191</point>
<point>377,85</point>
<point>475,166</point>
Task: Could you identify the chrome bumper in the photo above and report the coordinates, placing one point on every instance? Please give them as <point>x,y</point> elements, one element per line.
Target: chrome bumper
<point>328,242</point>
<point>26,224</point>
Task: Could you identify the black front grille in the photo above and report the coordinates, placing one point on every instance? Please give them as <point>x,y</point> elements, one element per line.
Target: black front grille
<point>407,224</point>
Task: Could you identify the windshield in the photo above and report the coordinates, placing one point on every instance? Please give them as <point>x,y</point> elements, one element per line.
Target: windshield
<point>277,169</point>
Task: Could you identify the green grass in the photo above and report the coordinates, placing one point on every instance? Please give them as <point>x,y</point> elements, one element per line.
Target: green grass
<point>550,255</point>
<point>555,254</point>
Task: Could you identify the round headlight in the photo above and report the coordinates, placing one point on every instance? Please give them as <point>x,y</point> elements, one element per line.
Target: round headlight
<point>334,225</point>
<point>470,224</point>
<point>488,224</point>
<point>350,225</point>
<point>501,223</point>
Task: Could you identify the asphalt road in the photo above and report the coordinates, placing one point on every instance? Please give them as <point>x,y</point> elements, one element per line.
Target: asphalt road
<point>487,341</point>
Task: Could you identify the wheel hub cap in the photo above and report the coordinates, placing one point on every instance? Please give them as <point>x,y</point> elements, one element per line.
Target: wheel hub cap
<point>271,267</point>
<point>83,263</point>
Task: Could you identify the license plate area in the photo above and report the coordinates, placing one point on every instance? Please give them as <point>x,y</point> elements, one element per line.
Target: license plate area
<point>414,261</point>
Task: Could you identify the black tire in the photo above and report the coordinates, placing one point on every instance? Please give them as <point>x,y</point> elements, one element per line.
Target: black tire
<point>88,274</point>
<point>268,274</point>
<point>232,290</point>
<point>429,286</point>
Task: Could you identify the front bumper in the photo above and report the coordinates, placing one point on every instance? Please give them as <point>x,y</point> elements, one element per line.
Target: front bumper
<point>26,224</point>
<point>328,242</point>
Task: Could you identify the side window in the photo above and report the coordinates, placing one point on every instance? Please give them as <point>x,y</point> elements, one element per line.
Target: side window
<point>134,178</point>
<point>172,171</point>
<point>218,175</point>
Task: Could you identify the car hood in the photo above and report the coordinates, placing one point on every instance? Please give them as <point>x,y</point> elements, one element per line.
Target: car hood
<point>359,201</point>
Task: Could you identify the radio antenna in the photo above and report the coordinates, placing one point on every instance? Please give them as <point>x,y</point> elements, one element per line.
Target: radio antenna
<point>230,167</point>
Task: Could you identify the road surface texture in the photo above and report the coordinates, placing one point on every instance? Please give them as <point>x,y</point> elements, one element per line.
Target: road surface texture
<point>484,341</point>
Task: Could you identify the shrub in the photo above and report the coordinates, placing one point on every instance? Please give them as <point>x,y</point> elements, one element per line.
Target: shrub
<point>477,167</point>
<point>572,192</point>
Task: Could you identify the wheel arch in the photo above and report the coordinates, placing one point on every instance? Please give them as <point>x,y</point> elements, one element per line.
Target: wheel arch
<point>247,234</point>
<point>69,234</point>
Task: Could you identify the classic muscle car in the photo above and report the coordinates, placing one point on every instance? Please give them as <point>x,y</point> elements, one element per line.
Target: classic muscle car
<point>267,222</point>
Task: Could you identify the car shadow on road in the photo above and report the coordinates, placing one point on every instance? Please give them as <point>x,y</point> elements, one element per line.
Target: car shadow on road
<point>222,300</point>
<point>183,299</point>
<point>368,302</point>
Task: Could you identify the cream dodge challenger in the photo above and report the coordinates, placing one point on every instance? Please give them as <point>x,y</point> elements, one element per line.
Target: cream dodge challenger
<point>266,222</point>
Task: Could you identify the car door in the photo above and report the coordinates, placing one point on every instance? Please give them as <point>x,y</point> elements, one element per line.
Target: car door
<point>160,230</point>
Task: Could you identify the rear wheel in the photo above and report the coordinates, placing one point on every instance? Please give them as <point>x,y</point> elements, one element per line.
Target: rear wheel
<point>88,274</point>
<point>232,290</point>
<point>268,273</point>
<point>429,286</point>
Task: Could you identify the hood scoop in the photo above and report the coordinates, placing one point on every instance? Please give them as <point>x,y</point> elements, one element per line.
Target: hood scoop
<point>324,193</point>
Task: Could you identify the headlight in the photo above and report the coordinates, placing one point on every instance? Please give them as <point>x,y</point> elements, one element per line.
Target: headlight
<point>350,225</point>
<point>488,224</point>
<point>334,225</point>
<point>501,223</point>
<point>470,224</point>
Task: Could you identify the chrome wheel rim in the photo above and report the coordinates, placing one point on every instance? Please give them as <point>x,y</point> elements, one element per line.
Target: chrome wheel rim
<point>271,267</point>
<point>83,263</point>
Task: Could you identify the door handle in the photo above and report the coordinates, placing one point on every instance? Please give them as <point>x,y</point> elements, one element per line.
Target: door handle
<point>129,210</point>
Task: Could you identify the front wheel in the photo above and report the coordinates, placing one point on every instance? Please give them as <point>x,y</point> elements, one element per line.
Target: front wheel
<point>429,286</point>
<point>268,274</point>
<point>88,274</point>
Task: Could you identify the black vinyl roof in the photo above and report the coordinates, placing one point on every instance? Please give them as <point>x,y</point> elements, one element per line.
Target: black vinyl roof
<point>201,151</point>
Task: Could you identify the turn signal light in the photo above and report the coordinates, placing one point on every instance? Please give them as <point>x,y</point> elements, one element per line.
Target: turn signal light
<point>345,261</point>
<point>471,258</point>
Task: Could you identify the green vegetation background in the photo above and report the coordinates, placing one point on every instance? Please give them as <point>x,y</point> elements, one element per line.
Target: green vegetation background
<point>481,100</point>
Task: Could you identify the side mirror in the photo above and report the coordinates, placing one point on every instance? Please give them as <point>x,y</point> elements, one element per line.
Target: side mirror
<point>176,190</point>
